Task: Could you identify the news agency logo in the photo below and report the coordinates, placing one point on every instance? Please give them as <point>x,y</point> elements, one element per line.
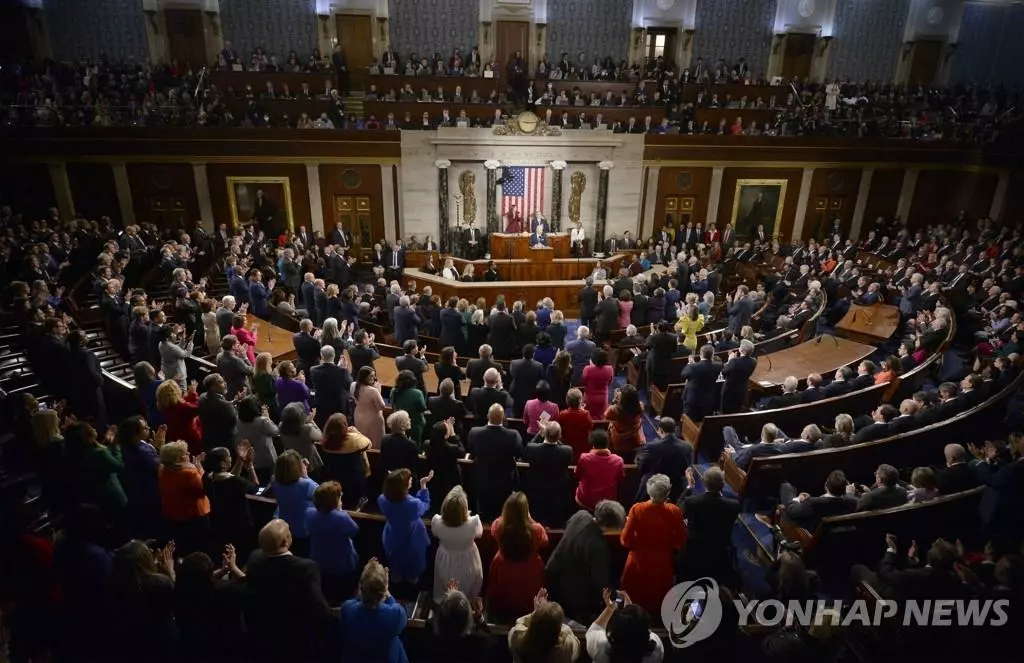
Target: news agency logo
<point>692,612</point>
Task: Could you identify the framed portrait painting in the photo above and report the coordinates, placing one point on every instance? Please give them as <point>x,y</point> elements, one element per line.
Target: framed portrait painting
<point>265,202</point>
<point>758,203</point>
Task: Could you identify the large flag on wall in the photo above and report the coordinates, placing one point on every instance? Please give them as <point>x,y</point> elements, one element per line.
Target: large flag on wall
<point>524,190</point>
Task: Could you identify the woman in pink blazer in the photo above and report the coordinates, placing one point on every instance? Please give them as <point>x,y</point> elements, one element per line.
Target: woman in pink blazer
<point>245,337</point>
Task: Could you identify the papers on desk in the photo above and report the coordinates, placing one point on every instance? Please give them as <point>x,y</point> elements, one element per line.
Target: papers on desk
<point>766,383</point>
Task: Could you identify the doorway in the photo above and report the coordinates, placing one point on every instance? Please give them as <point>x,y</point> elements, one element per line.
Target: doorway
<point>660,43</point>
<point>924,62</point>
<point>511,36</point>
<point>186,37</point>
<point>355,35</point>
<point>798,56</point>
<point>355,214</point>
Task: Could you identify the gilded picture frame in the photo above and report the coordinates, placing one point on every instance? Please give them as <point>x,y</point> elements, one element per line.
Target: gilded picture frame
<point>758,202</point>
<point>277,195</point>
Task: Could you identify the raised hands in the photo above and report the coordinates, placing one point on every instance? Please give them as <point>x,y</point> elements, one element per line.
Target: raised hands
<point>425,480</point>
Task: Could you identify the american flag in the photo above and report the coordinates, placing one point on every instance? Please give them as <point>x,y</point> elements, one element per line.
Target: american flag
<point>524,190</point>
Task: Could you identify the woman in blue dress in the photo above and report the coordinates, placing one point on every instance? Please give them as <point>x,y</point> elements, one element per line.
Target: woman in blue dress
<point>405,536</point>
<point>371,624</point>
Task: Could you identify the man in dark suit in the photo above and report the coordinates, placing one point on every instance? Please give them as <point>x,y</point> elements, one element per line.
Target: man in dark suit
<point>340,237</point>
<point>525,374</point>
<point>217,414</point>
<point>957,475</point>
<point>548,485</point>
<point>667,455</point>
<point>407,321</point>
<point>737,372</point>
<point>395,262</point>
<point>588,303</point>
<point>319,311</point>
<point>238,287</point>
<point>502,335</point>
<point>710,517</point>
<point>813,392</point>
<point>728,237</point>
<point>475,243</point>
<point>445,405</point>
<point>476,368</point>
<point>494,450</point>
<point>482,398</point>
<point>905,421</point>
<point>788,397</point>
<point>306,347</point>
<point>308,292</point>
<point>332,386</point>
<point>1002,503</point>
<point>362,353</point>
<point>607,314</point>
<point>879,427</point>
<point>306,237</point>
<point>413,362</point>
<point>945,408</point>
<point>840,383</point>
<point>806,511</point>
<point>700,377</point>
<point>740,309</point>
<point>886,492</point>
<point>290,583</point>
<point>935,580</point>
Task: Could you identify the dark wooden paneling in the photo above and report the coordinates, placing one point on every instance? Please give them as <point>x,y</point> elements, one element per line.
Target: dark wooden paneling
<point>884,195</point>
<point>940,194</point>
<point>28,189</point>
<point>669,181</point>
<point>832,186</point>
<point>1013,205</point>
<point>159,189</point>
<point>731,175</point>
<point>337,181</point>
<point>218,173</point>
<point>93,191</point>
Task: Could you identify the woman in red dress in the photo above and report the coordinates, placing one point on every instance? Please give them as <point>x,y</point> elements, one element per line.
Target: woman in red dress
<point>712,234</point>
<point>517,571</point>
<point>596,378</point>
<point>653,533</point>
<point>181,414</point>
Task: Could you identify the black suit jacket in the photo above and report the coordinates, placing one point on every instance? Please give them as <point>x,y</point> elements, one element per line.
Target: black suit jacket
<point>502,336</point>
<point>219,420</point>
<point>588,302</point>
<point>837,388</point>
<point>548,486</point>
<point>417,366</point>
<point>475,369</point>
<point>525,374</point>
<point>873,431</point>
<point>308,350</point>
<point>957,478</point>
<point>883,497</point>
<point>783,400</point>
<point>700,378</point>
<point>808,514</point>
<point>669,456</point>
<point>709,524</point>
<point>737,374</point>
<point>495,450</point>
<point>441,408</point>
<point>291,585</point>
<point>482,398</point>
<point>812,394</point>
<point>332,386</point>
<point>902,424</point>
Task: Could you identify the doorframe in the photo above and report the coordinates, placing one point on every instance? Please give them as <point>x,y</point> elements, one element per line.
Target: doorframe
<point>523,14</point>
<point>328,39</point>
<point>212,33</point>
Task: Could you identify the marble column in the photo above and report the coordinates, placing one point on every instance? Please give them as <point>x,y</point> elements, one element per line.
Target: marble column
<point>442,166</point>
<point>387,191</point>
<point>492,195</point>
<point>62,190</point>
<point>602,201</point>
<point>556,195</point>
<point>124,193</point>
<point>316,203</point>
<point>801,204</point>
<point>999,197</point>
<point>203,196</point>
<point>906,199</point>
<point>861,206</point>
<point>715,197</point>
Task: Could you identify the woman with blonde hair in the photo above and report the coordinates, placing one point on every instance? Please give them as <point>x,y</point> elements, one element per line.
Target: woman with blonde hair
<point>181,415</point>
<point>448,271</point>
<point>373,622</point>
<point>469,273</point>
<point>47,457</point>
<point>263,383</point>
<point>543,636</point>
<point>688,325</point>
<point>843,435</point>
<point>183,498</point>
<point>457,555</point>
<point>211,331</point>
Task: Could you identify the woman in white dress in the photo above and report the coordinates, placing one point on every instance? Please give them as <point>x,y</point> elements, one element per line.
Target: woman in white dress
<point>449,271</point>
<point>832,95</point>
<point>211,331</point>
<point>457,557</point>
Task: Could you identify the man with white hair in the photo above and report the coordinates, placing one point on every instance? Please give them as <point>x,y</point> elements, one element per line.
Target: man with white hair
<point>482,398</point>
<point>308,292</point>
<point>495,450</point>
<point>710,517</point>
<point>607,313</point>
<point>226,315</point>
<point>332,385</point>
<point>274,576</point>
<point>476,368</point>
<point>737,372</point>
<point>580,350</point>
<point>391,301</point>
<point>789,395</point>
<point>407,321</point>
<point>549,481</point>
<point>588,302</point>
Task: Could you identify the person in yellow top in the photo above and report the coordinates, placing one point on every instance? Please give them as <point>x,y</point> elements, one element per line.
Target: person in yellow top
<point>689,324</point>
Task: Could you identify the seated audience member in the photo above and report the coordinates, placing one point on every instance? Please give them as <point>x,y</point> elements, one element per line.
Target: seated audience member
<point>460,628</point>
<point>885,494</point>
<point>457,557</point>
<point>516,573</point>
<point>575,422</point>
<point>654,532</point>
<point>879,427</point>
<point>579,567</point>
<point>543,635</point>
<point>813,392</point>
<point>343,450</point>
<point>905,421</point>
<point>405,537</point>
<point>957,475</point>
<point>548,482</point>
<point>331,531</point>
<point>274,577</point>
<point>924,485</point>
<point>185,504</point>
<point>843,435</point>
<point>599,473</point>
<point>293,490</point>
<point>841,383</point>
<point>806,511</point>
<point>622,633</point>
<point>936,578</point>
<point>371,624</point>
<point>788,397</point>
<point>625,422</point>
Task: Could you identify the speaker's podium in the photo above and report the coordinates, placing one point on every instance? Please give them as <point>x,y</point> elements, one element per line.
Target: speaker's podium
<point>542,254</point>
<point>506,246</point>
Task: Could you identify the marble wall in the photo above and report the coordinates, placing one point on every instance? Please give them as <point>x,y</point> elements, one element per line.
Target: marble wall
<point>468,149</point>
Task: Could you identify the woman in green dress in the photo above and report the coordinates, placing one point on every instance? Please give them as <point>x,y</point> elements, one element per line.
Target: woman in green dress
<point>95,468</point>
<point>406,396</point>
<point>263,384</point>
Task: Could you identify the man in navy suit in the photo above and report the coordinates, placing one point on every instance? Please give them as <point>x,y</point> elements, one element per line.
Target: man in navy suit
<point>700,377</point>
<point>395,261</point>
<point>737,372</point>
<point>238,287</point>
<point>407,322</point>
<point>340,237</point>
<point>740,309</point>
<point>539,236</point>
<point>667,455</point>
<point>307,348</point>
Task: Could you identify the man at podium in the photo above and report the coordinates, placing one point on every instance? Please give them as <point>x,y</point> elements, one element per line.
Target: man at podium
<point>537,219</point>
<point>539,237</point>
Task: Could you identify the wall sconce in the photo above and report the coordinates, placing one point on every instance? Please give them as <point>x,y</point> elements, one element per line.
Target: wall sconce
<point>151,15</point>
<point>214,25</point>
<point>688,35</point>
<point>907,47</point>
<point>777,44</point>
<point>541,27</point>
<point>323,22</point>
<point>487,31</point>
<point>825,41</point>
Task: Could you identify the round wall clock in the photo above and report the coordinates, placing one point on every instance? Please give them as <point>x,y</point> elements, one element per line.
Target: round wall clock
<point>805,8</point>
<point>935,15</point>
<point>665,5</point>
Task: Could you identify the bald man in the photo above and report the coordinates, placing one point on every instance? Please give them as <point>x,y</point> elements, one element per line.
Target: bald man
<point>958,475</point>
<point>285,610</point>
